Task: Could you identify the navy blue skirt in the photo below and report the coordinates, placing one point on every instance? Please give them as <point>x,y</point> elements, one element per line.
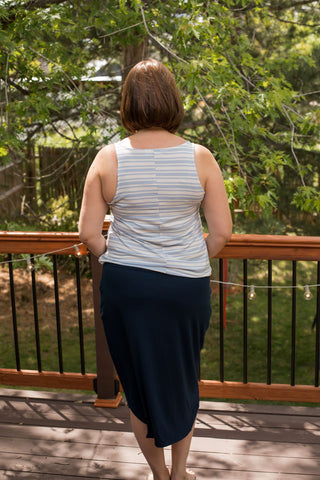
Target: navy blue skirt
<point>155,326</point>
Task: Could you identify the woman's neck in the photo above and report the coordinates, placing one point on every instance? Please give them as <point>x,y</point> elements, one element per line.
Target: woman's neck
<point>154,138</point>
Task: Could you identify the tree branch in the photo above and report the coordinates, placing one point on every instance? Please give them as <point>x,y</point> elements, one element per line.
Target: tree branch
<point>294,23</point>
<point>16,86</point>
<point>285,6</point>
<point>157,43</point>
<point>292,143</point>
<point>33,4</point>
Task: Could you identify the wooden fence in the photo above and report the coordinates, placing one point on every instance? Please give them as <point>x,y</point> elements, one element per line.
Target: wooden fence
<point>62,171</point>
<point>11,189</point>
<point>43,175</point>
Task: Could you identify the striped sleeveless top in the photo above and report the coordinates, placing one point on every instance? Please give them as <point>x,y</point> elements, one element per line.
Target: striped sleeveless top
<point>155,220</point>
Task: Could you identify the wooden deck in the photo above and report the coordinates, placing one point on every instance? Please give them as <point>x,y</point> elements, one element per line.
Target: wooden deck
<point>50,436</point>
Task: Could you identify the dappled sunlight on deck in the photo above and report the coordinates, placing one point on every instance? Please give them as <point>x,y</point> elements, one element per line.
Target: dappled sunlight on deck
<point>57,435</point>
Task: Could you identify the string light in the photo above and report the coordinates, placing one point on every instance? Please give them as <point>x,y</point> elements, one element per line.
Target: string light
<point>30,267</point>
<point>307,294</point>
<point>18,260</point>
<point>264,286</point>
<point>252,293</point>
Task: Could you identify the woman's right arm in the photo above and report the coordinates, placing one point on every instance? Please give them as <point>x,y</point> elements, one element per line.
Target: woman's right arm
<point>215,203</point>
<point>99,189</point>
<point>92,213</point>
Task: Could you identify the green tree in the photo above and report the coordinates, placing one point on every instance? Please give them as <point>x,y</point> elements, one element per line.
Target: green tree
<point>247,71</point>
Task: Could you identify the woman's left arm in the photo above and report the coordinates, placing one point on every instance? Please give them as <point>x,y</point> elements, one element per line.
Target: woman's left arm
<point>93,210</point>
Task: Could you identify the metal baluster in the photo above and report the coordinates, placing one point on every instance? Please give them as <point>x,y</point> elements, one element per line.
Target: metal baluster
<point>293,321</point>
<point>14,313</point>
<point>57,305</point>
<point>83,370</point>
<point>269,353</point>
<point>317,359</point>
<point>221,296</point>
<point>245,322</point>
<point>35,313</point>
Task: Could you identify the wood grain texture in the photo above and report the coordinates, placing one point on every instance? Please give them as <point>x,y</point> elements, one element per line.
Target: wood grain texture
<point>44,436</point>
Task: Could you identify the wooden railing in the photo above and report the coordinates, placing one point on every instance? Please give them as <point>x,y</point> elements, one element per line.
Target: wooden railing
<point>243,247</point>
<point>268,247</point>
<point>104,381</point>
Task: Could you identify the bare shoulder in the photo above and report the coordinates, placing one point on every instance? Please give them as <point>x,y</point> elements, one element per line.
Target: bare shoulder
<point>104,162</point>
<point>202,151</point>
<point>106,155</point>
<point>204,159</point>
<point>107,150</point>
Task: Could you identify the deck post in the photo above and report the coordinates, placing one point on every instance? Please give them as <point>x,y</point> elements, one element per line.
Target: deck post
<point>108,394</point>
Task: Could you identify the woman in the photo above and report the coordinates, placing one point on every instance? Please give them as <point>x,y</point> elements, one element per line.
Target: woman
<point>155,287</point>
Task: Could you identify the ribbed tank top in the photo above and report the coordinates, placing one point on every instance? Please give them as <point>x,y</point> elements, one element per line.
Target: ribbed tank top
<point>155,220</point>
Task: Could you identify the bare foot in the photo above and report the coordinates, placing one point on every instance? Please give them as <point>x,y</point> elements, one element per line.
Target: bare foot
<point>189,475</point>
<point>151,477</point>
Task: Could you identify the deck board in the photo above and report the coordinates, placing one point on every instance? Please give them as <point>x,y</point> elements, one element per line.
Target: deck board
<point>48,436</point>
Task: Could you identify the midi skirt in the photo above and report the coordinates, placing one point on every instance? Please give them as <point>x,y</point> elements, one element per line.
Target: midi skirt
<point>155,325</point>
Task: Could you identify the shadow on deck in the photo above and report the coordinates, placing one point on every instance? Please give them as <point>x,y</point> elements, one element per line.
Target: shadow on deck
<point>50,436</point>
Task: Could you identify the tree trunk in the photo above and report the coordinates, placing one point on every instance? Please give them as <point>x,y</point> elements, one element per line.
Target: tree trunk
<point>133,54</point>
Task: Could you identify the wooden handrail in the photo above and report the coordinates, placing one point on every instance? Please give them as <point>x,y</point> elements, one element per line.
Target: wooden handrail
<point>57,243</point>
<point>40,242</point>
<point>272,247</point>
<point>268,247</point>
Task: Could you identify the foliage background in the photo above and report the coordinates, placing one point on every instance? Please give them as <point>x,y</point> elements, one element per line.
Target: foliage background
<point>248,74</point>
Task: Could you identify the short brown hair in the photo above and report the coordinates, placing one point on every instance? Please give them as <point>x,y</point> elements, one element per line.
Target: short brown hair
<point>151,98</point>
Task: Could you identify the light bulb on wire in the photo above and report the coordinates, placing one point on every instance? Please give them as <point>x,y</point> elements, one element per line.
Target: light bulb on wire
<point>307,294</point>
<point>78,253</point>
<point>252,293</point>
<point>29,265</point>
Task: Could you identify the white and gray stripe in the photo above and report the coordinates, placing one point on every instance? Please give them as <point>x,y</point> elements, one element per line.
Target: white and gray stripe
<point>155,221</point>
